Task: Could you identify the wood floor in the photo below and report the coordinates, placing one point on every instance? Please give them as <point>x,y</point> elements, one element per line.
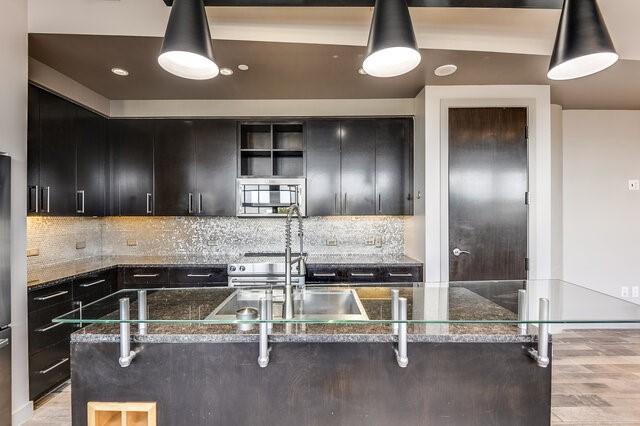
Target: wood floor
<point>596,381</point>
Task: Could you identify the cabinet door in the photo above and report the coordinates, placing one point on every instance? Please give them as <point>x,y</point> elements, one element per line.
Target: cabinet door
<point>174,163</point>
<point>91,149</point>
<point>394,166</point>
<point>358,167</point>
<point>216,167</point>
<point>132,149</point>
<point>33,151</point>
<point>57,156</point>
<point>323,168</point>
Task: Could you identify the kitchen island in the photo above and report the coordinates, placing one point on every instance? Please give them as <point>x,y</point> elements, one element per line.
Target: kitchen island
<point>468,360</point>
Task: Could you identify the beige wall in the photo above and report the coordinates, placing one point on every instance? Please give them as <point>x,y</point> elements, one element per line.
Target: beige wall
<point>601,152</point>
<point>13,141</point>
<point>556,191</point>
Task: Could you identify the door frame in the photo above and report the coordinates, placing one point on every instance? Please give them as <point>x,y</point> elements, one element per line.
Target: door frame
<point>444,170</point>
<point>437,101</point>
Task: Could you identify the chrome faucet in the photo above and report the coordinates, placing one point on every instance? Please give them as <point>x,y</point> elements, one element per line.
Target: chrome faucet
<point>289,261</point>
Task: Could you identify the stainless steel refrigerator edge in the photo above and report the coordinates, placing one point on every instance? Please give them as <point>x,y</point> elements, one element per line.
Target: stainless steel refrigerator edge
<point>5,290</point>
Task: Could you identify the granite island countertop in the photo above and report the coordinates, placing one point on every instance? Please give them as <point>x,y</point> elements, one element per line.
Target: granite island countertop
<point>52,274</point>
<point>190,306</point>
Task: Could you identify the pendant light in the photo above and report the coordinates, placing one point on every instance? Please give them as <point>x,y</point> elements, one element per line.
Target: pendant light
<point>583,44</point>
<point>392,49</point>
<point>187,50</point>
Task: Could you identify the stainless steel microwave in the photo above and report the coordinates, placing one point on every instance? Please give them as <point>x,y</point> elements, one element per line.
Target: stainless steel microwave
<point>269,197</point>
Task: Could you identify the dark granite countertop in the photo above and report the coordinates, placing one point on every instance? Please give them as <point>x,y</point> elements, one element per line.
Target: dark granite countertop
<point>52,274</point>
<point>461,304</point>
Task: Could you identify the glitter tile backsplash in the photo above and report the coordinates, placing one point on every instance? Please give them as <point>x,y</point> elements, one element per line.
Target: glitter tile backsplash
<point>56,238</point>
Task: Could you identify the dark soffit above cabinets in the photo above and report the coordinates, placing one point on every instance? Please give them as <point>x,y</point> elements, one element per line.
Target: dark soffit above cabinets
<point>508,4</point>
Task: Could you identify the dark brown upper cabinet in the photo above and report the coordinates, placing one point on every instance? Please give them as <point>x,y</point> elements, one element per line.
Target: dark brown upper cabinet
<point>33,151</point>
<point>216,167</point>
<point>358,166</point>
<point>131,143</point>
<point>323,168</point>
<point>174,168</point>
<point>57,156</point>
<point>394,166</point>
<point>91,160</point>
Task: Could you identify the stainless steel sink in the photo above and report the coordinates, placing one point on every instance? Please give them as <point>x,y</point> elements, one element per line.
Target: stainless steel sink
<point>308,304</point>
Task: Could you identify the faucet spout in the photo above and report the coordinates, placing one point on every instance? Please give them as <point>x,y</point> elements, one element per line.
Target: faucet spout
<point>300,260</point>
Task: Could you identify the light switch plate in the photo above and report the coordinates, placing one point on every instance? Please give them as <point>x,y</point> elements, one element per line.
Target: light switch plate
<point>634,185</point>
<point>624,292</point>
<point>371,241</point>
<point>332,242</point>
<point>132,243</point>
<point>635,291</point>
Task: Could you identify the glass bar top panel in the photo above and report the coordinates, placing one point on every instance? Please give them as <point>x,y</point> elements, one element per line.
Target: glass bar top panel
<point>430,303</point>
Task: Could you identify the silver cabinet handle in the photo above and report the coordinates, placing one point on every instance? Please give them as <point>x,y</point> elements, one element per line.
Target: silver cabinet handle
<point>335,202</point>
<point>457,252</point>
<point>344,208</point>
<point>81,208</point>
<point>37,199</point>
<point>361,274</point>
<point>393,274</point>
<point>51,296</point>
<point>54,366</point>
<point>146,275</point>
<point>49,327</point>
<point>324,274</point>
<point>3,343</point>
<point>199,275</point>
<point>190,203</point>
<point>93,283</point>
<point>36,208</point>
<point>200,203</point>
<point>149,203</point>
<point>48,198</point>
<point>379,203</point>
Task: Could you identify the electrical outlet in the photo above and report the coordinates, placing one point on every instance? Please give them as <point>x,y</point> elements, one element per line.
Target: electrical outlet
<point>379,241</point>
<point>332,242</point>
<point>634,185</point>
<point>371,241</point>
<point>132,243</point>
<point>31,252</point>
<point>212,243</point>
<point>624,292</point>
<point>635,291</point>
<point>80,245</point>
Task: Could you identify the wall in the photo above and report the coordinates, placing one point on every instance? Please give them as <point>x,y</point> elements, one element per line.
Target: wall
<point>601,152</point>
<point>13,140</point>
<point>56,237</point>
<point>556,192</point>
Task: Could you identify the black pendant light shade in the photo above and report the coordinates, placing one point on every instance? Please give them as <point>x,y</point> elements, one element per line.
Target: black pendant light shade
<point>392,49</point>
<point>187,50</point>
<point>583,44</point>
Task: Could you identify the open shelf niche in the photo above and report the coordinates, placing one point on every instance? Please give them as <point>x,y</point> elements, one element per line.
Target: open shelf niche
<point>272,149</point>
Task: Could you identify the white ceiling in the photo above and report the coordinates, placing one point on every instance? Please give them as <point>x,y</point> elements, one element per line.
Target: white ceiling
<point>494,30</point>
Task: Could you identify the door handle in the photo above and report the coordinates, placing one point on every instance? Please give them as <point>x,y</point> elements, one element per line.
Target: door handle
<point>335,202</point>
<point>200,203</point>
<point>51,296</point>
<point>146,275</point>
<point>198,275</point>
<point>362,274</point>
<point>49,327</point>
<point>190,203</point>
<point>54,366</point>
<point>148,203</point>
<point>324,274</point>
<point>80,201</point>
<point>48,198</point>
<point>93,283</point>
<point>457,252</point>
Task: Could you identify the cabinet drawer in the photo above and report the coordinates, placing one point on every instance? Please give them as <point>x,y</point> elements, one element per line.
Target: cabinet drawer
<point>42,332</point>
<point>48,368</point>
<point>321,274</point>
<point>42,298</point>
<point>146,277</point>
<point>199,276</point>
<point>93,287</point>
<point>402,274</point>
<point>363,274</point>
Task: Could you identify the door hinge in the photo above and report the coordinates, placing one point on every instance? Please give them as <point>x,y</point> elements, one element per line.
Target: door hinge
<point>526,264</point>
<point>526,198</point>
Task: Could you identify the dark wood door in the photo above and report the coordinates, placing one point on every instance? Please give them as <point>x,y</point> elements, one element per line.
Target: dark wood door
<point>394,166</point>
<point>57,156</point>
<point>358,167</point>
<point>132,150</point>
<point>174,165</point>
<point>216,167</point>
<point>323,168</point>
<point>91,155</point>
<point>487,189</point>
<point>33,151</point>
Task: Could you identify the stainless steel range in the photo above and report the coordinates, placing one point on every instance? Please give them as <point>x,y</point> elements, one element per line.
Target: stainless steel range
<point>270,273</point>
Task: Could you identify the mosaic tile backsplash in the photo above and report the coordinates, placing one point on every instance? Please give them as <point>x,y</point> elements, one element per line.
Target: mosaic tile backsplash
<point>57,238</point>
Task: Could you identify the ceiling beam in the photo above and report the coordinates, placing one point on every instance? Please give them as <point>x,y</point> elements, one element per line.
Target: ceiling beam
<point>501,4</point>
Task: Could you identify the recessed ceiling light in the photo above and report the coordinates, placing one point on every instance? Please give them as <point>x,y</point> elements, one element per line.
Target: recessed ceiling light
<point>445,70</point>
<point>336,56</point>
<point>120,71</point>
<point>243,67</point>
<point>361,71</point>
<point>226,71</point>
